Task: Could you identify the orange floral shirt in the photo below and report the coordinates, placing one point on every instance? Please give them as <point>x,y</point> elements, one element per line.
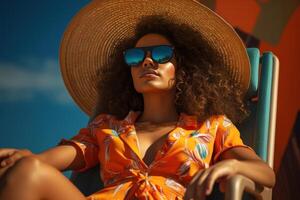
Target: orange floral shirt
<point>193,145</point>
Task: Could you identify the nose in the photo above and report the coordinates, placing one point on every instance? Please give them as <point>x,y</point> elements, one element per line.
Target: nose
<point>148,62</point>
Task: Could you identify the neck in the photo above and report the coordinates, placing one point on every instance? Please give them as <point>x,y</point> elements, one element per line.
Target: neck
<point>159,108</point>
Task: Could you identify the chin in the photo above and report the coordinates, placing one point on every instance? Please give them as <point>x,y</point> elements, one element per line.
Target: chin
<point>148,90</point>
<point>145,90</point>
<point>153,87</point>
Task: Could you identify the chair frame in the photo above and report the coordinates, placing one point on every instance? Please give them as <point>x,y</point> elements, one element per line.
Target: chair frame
<point>238,184</point>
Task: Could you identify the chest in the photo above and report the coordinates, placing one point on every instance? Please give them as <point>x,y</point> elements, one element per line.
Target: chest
<point>154,142</point>
<point>151,140</point>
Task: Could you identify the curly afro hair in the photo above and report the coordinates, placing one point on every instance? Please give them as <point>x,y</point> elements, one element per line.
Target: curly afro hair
<point>203,86</point>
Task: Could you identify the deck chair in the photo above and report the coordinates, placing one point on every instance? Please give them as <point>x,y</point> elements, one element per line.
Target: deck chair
<point>258,131</point>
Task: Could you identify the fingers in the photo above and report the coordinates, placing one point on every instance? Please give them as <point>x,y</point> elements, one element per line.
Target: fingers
<point>9,156</point>
<point>6,152</point>
<point>199,191</point>
<point>214,175</point>
<point>11,159</point>
<point>189,193</point>
<point>202,184</point>
<point>4,169</point>
<point>210,181</point>
<point>192,187</point>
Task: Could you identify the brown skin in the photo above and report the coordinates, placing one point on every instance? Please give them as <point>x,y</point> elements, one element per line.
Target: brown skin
<point>40,174</point>
<point>158,92</point>
<point>28,176</point>
<point>234,161</point>
<point>203,85</point>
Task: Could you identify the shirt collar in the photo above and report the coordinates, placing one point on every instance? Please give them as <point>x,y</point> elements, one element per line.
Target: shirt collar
<point>185,121</point>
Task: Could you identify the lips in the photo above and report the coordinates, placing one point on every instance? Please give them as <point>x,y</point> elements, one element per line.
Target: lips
<point>148,72</point>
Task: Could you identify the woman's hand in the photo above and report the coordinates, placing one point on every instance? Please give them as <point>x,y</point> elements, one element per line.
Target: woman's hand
<point>203,182</point>
<point>9,156</point>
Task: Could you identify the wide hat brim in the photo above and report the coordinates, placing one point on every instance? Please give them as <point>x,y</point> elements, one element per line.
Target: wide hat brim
<point>93,33</point>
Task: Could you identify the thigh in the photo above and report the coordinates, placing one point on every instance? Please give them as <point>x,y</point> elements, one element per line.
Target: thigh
<point>58,187</point>
<point>33,179</point>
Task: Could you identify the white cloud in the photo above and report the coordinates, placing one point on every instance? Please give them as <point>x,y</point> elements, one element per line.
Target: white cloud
<point>21,82</point>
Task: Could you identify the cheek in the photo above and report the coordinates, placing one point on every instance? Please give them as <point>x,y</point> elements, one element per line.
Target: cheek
<point>134,75</point>
<point>170,71</point>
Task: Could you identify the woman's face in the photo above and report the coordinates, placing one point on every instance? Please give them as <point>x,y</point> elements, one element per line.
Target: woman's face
<point>143,78</point>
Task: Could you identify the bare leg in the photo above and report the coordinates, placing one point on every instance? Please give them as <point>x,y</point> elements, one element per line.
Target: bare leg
<point>31,179</point>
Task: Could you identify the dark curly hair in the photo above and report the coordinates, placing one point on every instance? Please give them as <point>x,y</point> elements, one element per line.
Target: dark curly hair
<point>203,86</point>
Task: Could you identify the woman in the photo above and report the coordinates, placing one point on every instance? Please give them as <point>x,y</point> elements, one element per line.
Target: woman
<point>160,128</point>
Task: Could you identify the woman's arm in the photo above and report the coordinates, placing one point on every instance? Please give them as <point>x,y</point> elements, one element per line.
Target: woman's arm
<point>63,157</point>
<point>237,160</point>
<point>250,165</point>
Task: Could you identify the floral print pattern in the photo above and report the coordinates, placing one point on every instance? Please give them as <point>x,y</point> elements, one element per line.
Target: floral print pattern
<point>192,146</point>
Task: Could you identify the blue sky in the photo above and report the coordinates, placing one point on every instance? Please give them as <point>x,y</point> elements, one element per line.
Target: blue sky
<point>36,110</point>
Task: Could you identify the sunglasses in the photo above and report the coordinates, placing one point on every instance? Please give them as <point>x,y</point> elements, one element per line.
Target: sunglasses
<point>160,54</point>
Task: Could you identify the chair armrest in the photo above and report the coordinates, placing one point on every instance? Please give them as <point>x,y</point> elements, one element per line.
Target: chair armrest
<point>238,184</point>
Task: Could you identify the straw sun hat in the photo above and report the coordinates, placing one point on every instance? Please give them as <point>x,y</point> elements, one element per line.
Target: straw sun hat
<point>92,34</point>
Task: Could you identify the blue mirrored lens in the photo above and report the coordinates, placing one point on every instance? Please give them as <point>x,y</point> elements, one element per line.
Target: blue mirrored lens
<point>162,54</point>
<point>134,56</point>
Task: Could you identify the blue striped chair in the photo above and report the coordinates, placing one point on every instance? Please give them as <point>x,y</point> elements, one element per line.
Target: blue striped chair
<point>258,130</point>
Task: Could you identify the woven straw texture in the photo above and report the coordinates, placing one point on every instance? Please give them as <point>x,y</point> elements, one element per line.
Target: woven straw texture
<point>91,36</point>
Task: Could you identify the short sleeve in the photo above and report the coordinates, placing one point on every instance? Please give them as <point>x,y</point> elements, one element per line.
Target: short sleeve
<point>227,137</point>
<point>85,143</point>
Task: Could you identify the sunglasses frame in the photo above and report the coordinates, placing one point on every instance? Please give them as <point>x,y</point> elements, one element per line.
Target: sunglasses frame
<point>147,49</point>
